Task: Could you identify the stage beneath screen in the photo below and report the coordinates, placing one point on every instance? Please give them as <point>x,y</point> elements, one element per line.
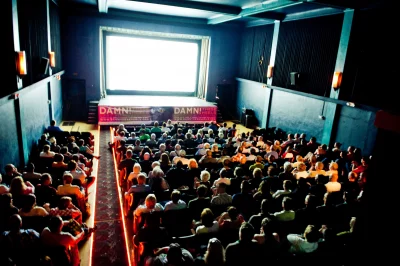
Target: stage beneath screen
<point>133,110</point>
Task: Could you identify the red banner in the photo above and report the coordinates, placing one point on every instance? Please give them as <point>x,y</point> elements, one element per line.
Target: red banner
<point>111,115</point>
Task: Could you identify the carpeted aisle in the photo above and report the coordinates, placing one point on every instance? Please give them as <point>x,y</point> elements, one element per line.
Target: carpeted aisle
<point>109,244</point>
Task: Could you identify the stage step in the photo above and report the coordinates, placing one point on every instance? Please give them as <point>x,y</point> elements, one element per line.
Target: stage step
<point>93,116</point>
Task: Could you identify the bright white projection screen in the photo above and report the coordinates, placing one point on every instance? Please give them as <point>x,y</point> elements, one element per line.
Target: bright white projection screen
<point>150,65</point>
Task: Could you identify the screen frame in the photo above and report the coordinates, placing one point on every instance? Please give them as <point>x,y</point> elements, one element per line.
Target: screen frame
<point>153,93</point>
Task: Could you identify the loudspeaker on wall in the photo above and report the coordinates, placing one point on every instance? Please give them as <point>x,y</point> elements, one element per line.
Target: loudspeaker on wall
<point>294,78</point>
<point>44,66</point>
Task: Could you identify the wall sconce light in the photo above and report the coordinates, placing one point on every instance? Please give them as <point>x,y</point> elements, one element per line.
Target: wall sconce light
<point>52,58</point>
<point>269,71</point>
<point>337,80</point>
<point>21,63</point>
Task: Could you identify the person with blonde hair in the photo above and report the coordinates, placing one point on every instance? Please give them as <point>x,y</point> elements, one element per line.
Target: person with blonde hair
<point>299,160</point>
<point>333,168</point>
<point>19,187</point>
<point>215,253</point>
<point>150,204</point>
<point>319,170</point>
<point>300,171</point>
<point>136,170</point>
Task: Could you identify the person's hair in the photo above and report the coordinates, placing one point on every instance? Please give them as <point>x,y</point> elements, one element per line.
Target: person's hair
<point>319,165</point>
<point>193,164</point>
<point>67,178</point>
<point>233,213</point>
<point>352,175</point>
<point>227,162</point>
<point>238,172</point>
<point>246,232</point>
<point>264,188</point>
<point>154,164</point>
<point>64,149</point>
<point>52,122</point>
<point>333,166</point>
<point>215,254</point>
<point>29,203</point>
<point>264,206</point>
<point>222,186</point>
<point>46,148</point>
<point>207,217</point>
<point>312,234</point>
<point>137,168</point>
<point>202,190</point>
<point>5,201</point>
<point>312,201</point>
<point>257,173</point>
<point>75,157</point>
<point>158,172</point>
<point>58,157</point>
<point>17,186</point>
<point>287,167</point>
<point>287,202</point>
<point>31,167</point>
<point>287,184</point>
<point>302,167</point>
<point>245,186</point>
<point>64,202</point>
<point>55,223</point>
<point>164,159</point>
<point>129,153</point>
<point>15,222</point>
<point>141,178</point>
<point>72,165</point>
<point>205,176</point>
<point>174,254</point>
<point>81,142</point>
<point>44,178</point>
<point>266,225</point>
<point>223,173</point>
<point>175,196</point>
<point>151,200</point>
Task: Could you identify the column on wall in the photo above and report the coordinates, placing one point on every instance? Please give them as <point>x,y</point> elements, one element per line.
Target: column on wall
<point>267,104</point>
<point>332,109</point>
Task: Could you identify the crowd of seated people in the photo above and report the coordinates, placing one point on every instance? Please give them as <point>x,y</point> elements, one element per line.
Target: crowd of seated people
<point>43,206</point>
<point>249,195</point>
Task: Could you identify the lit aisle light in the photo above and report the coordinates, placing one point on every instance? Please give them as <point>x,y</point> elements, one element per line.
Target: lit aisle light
<point>121,206</point>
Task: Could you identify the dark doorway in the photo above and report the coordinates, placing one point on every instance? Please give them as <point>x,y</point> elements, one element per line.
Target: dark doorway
<point>74,98</point>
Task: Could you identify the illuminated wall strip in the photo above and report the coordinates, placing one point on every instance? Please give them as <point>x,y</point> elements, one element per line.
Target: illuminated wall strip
<point>120,196</point>
<point>95,171</point>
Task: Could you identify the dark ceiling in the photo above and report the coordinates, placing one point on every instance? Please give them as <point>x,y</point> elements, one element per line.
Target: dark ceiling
<point>248,12</point>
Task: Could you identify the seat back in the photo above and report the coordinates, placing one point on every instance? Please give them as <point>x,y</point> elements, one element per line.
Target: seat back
<point>138,198</point>
<point>59,255</point>
<point>44,164</point>
<point>18,201</point>
<point>177,222</point>
<point>219,209</point>
<point>37,223</point>
<point>138,222</point>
